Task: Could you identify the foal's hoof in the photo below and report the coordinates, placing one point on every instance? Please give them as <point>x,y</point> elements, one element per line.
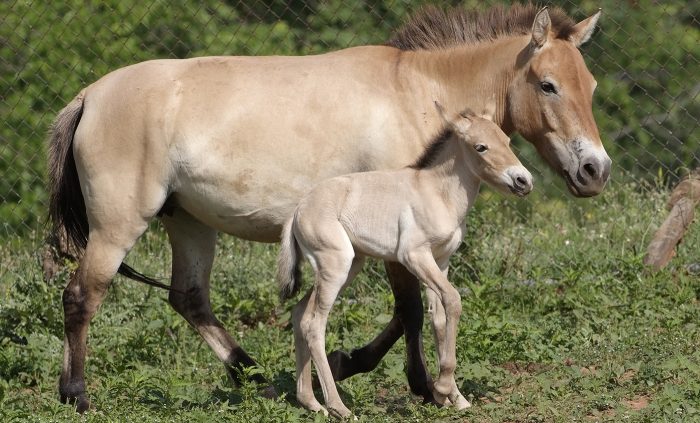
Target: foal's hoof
<point>441,400</point>
<point>340,412</point>
<point>461,403</point>
<point>312,404</point>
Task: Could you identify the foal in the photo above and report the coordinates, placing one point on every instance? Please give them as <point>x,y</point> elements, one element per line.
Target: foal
<point>415,216</point>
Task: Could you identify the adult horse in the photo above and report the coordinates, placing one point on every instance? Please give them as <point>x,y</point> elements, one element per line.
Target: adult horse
<point>231,143</point>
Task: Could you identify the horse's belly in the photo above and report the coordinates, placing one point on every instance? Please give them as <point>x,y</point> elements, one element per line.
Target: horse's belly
<point>252,222</point>
<point>255,210</point>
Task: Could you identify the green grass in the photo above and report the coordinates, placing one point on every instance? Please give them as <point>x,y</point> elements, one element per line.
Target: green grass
<point>561,323</point>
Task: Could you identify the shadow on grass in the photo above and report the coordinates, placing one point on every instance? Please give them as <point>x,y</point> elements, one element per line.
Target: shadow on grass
<point>230,393</point>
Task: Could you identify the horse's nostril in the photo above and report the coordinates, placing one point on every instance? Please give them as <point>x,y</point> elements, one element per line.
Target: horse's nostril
<point>521,181</point>
<point>591,170</point>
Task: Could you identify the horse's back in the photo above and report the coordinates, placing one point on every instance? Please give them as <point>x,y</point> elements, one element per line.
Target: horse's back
<point>238,140</point>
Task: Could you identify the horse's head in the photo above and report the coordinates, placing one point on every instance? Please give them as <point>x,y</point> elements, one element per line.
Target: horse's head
<point>550,104</point>
<point>487,150</point>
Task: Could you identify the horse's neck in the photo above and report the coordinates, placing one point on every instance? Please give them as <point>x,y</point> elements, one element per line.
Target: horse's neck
<point>470,75</point>
<point>450,174</point>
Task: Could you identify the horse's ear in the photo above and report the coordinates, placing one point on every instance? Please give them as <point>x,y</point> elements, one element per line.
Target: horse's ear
<point>489,111</point>
<point>583,30</point>
<point>541,28</point>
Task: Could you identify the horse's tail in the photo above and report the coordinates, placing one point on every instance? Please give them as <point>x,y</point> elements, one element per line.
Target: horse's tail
<point>66,203</point>
<point>289,263</point>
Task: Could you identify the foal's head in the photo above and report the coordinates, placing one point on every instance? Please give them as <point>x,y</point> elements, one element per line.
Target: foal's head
<point>487,151</point>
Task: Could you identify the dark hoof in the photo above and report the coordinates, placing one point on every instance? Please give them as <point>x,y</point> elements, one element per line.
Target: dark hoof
<point>268,392</point>
<point>77,398</point>
<point>82,404</point>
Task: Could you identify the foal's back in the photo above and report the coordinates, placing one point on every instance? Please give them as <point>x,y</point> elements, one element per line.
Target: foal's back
<point>372,208</point>
<point>386,214</point>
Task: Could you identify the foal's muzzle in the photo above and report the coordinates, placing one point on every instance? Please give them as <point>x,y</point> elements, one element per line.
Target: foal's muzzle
<point>521,181</point>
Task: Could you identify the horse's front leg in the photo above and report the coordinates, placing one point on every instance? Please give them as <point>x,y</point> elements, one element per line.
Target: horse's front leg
<point>408,319</point>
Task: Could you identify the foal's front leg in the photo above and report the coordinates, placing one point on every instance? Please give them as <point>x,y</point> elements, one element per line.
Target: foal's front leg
<point>408,320</point>
<point>445,322</point>
<point>438,319</point>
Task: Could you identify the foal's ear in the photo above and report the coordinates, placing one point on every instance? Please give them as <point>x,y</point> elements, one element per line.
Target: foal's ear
<point>489,111</point>
<point>583,30</point>
<point>468,115</point>
<point>541,28</point>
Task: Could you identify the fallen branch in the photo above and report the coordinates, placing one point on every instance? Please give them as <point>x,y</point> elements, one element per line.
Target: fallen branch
<point>682,204</point>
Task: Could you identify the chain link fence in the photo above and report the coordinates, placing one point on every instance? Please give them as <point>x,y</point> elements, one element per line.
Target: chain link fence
<point>645,56</point>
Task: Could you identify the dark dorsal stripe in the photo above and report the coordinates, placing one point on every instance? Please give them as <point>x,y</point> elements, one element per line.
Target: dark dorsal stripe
<point>433,28</point>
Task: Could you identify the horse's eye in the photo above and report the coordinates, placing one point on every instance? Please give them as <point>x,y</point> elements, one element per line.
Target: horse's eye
<point>480,148</point>
<point>548,87</point>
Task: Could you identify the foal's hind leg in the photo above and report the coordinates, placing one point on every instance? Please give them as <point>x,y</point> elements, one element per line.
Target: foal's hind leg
<point>333,270</point>
<point>305,394</point>
<point>106,248</point>
<point>408,320</point>
<point>302,354</point>
<point>193,245</point>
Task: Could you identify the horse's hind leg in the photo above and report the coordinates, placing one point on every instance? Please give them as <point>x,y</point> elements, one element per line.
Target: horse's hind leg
<point>408,319</point>
<point>106,248</point>
<point>193,245</point>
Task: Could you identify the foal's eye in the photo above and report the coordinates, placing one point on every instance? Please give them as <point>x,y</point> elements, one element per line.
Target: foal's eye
<point>480,148</point>
<point>548,87</point>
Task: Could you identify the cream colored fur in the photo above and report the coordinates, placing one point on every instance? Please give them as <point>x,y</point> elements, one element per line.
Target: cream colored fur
<point>413,216</point>
<point>233,143</point>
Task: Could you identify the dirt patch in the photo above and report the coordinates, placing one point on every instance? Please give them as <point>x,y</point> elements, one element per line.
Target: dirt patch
<point>639,402</point>
<point>517,368</point>
<point>626,376</point>
<point>588,371</point>
<point>605,415</point>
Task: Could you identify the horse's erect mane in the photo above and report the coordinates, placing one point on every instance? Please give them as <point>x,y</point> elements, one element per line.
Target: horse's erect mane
<point>433,28</point>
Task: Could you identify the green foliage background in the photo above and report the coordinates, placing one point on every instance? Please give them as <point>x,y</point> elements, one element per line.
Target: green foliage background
<point>645,58</point>
<point>561,322</point>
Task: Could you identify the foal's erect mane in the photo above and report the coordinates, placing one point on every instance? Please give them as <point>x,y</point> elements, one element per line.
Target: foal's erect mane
<point>433,149</point>
<point>433,28</point>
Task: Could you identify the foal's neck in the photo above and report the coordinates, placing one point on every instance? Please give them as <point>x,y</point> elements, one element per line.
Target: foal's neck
<point>449,173</point>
